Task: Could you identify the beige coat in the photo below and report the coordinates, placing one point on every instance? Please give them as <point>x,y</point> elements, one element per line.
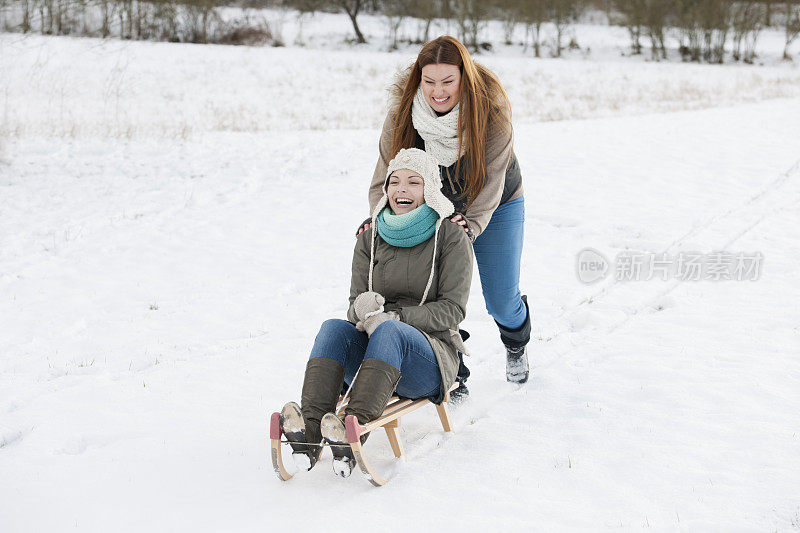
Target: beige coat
<point>400,275</point>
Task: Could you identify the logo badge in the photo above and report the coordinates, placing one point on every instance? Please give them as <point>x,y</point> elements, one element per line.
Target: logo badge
<point>591,266</point>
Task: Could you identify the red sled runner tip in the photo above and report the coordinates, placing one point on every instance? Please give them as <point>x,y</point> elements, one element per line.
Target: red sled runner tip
<point>353,429</point>
<point>275,426</point>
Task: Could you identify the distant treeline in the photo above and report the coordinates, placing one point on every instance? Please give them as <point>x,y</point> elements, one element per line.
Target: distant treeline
<point>707,30</point>
<point>189,21</point>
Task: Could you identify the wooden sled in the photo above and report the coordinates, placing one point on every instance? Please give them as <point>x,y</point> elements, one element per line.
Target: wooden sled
<point>389,421</point>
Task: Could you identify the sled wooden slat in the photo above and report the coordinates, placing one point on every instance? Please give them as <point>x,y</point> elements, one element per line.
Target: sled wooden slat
<point>402,407</point>
<point>390,415</point>
<point>398,403</point>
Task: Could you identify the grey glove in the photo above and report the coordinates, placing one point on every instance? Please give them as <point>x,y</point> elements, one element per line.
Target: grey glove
<point>367,304</point>
<point>374,321</point>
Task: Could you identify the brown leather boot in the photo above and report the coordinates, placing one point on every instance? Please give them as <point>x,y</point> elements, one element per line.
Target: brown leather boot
<point>321,387</point>
<point>371,391</point>
<point>374,386</point>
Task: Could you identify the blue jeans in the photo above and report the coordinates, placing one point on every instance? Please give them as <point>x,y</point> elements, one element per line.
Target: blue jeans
<point>498,252</point>
<point>394,342</point>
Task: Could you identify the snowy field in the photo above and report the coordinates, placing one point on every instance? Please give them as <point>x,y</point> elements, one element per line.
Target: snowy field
<point>176,221</point>
<point>142,90</point>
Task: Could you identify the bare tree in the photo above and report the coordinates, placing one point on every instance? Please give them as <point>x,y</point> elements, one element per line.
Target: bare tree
<point>3,25</point>
<point>426,11</point>
<point>471,17</point>
<point>792,26</point>
<point>124,11</point>
<point>634,13</point>
<point>658,12</point>
<point>510,16</point>
<point>448,13</point>
<point>395,11</point>
<point>107,8</point>
<point>27,8</point>
<point>747,18</point>
<point>534,13</point>
<point>704,26</point>
<point>687,22</point>
<point>167,26</point>
<point>305,9</point>
<point>716,23</point>
<point>564,13</point>
<point>46,16</point>
<point>198,16</point>
<point>353,8</point>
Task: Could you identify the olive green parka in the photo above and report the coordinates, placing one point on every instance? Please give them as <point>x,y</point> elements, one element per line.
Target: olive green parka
<point>401,274</point>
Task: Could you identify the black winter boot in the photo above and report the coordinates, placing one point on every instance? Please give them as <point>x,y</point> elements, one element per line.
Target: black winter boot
<point>321,385</point>
<point>515,341</point>
<point>371,391</point>
<point>461,393</point>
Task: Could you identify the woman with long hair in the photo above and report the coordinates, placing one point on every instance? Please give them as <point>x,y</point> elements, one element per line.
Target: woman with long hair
<point>457,111</point>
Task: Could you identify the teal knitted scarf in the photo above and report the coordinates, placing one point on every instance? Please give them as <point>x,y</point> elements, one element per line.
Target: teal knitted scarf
<point>408,229</point>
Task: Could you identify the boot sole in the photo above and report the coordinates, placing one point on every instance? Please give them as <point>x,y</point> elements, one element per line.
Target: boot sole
<point>334,433</point>
<point>294,427</point>
<point>517,368</point>
<point>292,423</point>
<point>517,378</point>
<point>518,371</point>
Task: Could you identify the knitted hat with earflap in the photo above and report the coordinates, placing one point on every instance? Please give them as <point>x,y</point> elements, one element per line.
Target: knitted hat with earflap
<point>426,166</point>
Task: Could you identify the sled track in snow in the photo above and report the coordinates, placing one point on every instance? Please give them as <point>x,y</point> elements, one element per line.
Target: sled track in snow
<point>677,243</point>
<point>746,217</point>
<point>753,211</point>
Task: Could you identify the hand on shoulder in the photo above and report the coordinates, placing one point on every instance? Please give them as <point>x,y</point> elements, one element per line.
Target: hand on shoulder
<point>364,226</point>
<point>460,220</point>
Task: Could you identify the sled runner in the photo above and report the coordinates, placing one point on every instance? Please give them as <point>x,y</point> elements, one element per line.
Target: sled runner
<point>389,421</point>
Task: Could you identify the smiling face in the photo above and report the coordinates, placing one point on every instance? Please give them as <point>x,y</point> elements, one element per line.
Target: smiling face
<point>405,191</point>
<point>441,85</point>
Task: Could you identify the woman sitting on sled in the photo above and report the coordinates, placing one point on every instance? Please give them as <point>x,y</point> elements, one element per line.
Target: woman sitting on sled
<point>408,294</point>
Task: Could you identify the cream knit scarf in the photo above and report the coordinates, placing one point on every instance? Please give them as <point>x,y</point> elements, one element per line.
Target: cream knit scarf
<point>439,133</point>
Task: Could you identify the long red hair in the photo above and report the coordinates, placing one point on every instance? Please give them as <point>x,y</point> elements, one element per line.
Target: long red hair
<point>482,102</point>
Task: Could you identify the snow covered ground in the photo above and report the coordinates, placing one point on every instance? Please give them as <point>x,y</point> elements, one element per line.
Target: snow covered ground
<point>176,221</point>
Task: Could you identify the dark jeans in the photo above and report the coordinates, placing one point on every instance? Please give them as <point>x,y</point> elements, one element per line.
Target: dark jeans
<point>402,346</point>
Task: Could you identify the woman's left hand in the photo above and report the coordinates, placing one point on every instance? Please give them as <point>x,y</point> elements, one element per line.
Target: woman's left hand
<point>372,322</point>
<point>459,219</point>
